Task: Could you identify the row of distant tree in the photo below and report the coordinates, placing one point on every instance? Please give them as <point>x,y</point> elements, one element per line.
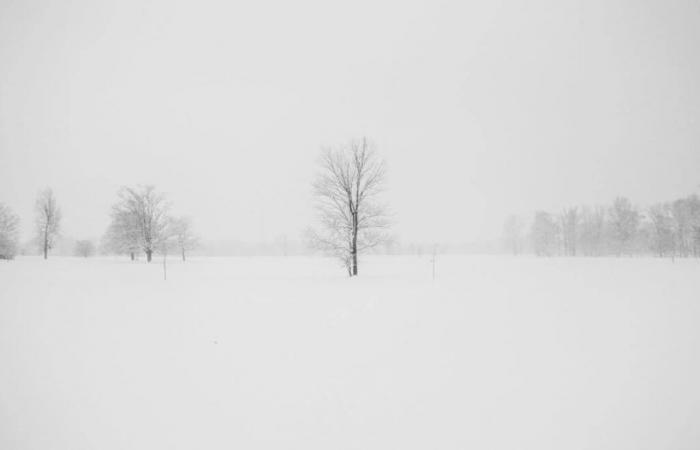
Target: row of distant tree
<point>140,224</point>
<point>351,219</point>
<point>670,229</point>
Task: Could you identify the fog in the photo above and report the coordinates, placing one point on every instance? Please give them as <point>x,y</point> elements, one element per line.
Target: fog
<point>368,224</point>
<point>480,109</point>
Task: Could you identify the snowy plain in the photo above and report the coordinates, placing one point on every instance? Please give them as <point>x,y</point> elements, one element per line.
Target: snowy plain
<point>289,353</point>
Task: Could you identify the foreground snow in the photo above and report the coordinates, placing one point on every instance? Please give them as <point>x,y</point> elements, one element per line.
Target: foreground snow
<point>248,353</point>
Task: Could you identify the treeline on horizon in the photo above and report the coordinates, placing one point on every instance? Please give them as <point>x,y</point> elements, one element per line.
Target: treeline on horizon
<point>668,229</point>
<point>352,219</point>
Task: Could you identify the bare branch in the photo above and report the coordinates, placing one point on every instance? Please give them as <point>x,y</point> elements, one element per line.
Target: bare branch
<point>347,183</point>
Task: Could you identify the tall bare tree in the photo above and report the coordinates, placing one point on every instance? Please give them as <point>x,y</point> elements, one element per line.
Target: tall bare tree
<point>544,234</point>
<point>694,208</point>
<point>142,214</point>
<point>9,233</point>
<point>346,188</point>
<point>624,222</point>
<point>183,235</point>
<point>662,237</point>
<point>48,220</point>
<point>681,221</point>
<point>569,221</point>
<point>592,234</point>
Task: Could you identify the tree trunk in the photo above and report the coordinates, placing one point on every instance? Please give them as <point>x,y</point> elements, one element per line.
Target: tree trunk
<point>149,255</point>
<point>132,256</point>
<point>46,244</point>
<point>354,244</point>
<point>183,254</point>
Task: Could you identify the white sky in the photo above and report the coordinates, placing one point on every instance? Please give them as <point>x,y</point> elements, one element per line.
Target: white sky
<point>480,108</point>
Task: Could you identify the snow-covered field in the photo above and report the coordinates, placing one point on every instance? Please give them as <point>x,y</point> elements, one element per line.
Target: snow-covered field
<point>288,353</point>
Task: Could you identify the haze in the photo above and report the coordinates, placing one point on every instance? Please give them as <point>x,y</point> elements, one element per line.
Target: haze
<point>481,109</point>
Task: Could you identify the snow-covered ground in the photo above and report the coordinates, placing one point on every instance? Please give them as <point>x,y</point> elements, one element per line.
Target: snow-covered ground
<point>288,353</point>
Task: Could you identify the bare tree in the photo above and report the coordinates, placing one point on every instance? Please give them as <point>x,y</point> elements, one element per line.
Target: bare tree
<point>9,233</point>
<point>694,209</point>
<point>569,221</point>
<point>544,234</point>
<point>122,236</point>
<point>681,221</point>
<point>513,233</point>
<point>84,248</point>
<point>141,215</point>
<point>624,222</point>
<point>592,234</point>
<point>685,217</point>
<point>183,235</point>
<point>346,189</point>
<point>48,220</point>
<point>662,235</point>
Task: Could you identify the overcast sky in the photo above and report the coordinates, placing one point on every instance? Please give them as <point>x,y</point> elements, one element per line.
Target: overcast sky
<point>480,108</point>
